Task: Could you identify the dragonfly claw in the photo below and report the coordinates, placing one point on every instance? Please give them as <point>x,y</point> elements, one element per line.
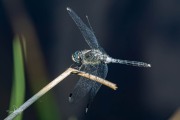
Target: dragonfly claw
<point>87,107</point>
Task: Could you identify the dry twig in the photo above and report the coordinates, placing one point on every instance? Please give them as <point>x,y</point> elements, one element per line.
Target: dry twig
<point>54,83</point>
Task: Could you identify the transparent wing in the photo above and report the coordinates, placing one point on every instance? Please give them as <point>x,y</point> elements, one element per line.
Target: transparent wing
<point>85,86</point>
<point>86,32</point>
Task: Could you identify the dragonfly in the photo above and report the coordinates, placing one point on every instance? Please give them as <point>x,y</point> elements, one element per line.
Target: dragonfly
<point>93,61</point>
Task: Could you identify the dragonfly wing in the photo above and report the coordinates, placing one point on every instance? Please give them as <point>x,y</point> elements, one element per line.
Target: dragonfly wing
<point>101,72</point>
<point>85,86</point>
<point>86,32</point>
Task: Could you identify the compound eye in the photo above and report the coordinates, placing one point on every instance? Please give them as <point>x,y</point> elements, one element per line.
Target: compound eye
<point>75,57</point>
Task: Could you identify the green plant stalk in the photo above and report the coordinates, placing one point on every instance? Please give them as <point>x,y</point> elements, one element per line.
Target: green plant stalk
<point>18,87</point>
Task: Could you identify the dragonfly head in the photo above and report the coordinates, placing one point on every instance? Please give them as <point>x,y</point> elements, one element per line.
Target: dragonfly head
<point>76,57</point>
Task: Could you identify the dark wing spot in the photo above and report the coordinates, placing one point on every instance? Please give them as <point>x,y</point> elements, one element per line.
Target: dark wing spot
<point>70,99</point>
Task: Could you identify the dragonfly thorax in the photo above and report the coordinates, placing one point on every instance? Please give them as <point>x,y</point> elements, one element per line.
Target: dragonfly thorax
<point>92,56</point>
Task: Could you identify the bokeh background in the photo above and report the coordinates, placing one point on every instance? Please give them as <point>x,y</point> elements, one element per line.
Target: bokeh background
<point>141,30</point>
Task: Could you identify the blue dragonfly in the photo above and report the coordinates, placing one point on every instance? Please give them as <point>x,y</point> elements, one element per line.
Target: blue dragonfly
<point>93,61</point>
